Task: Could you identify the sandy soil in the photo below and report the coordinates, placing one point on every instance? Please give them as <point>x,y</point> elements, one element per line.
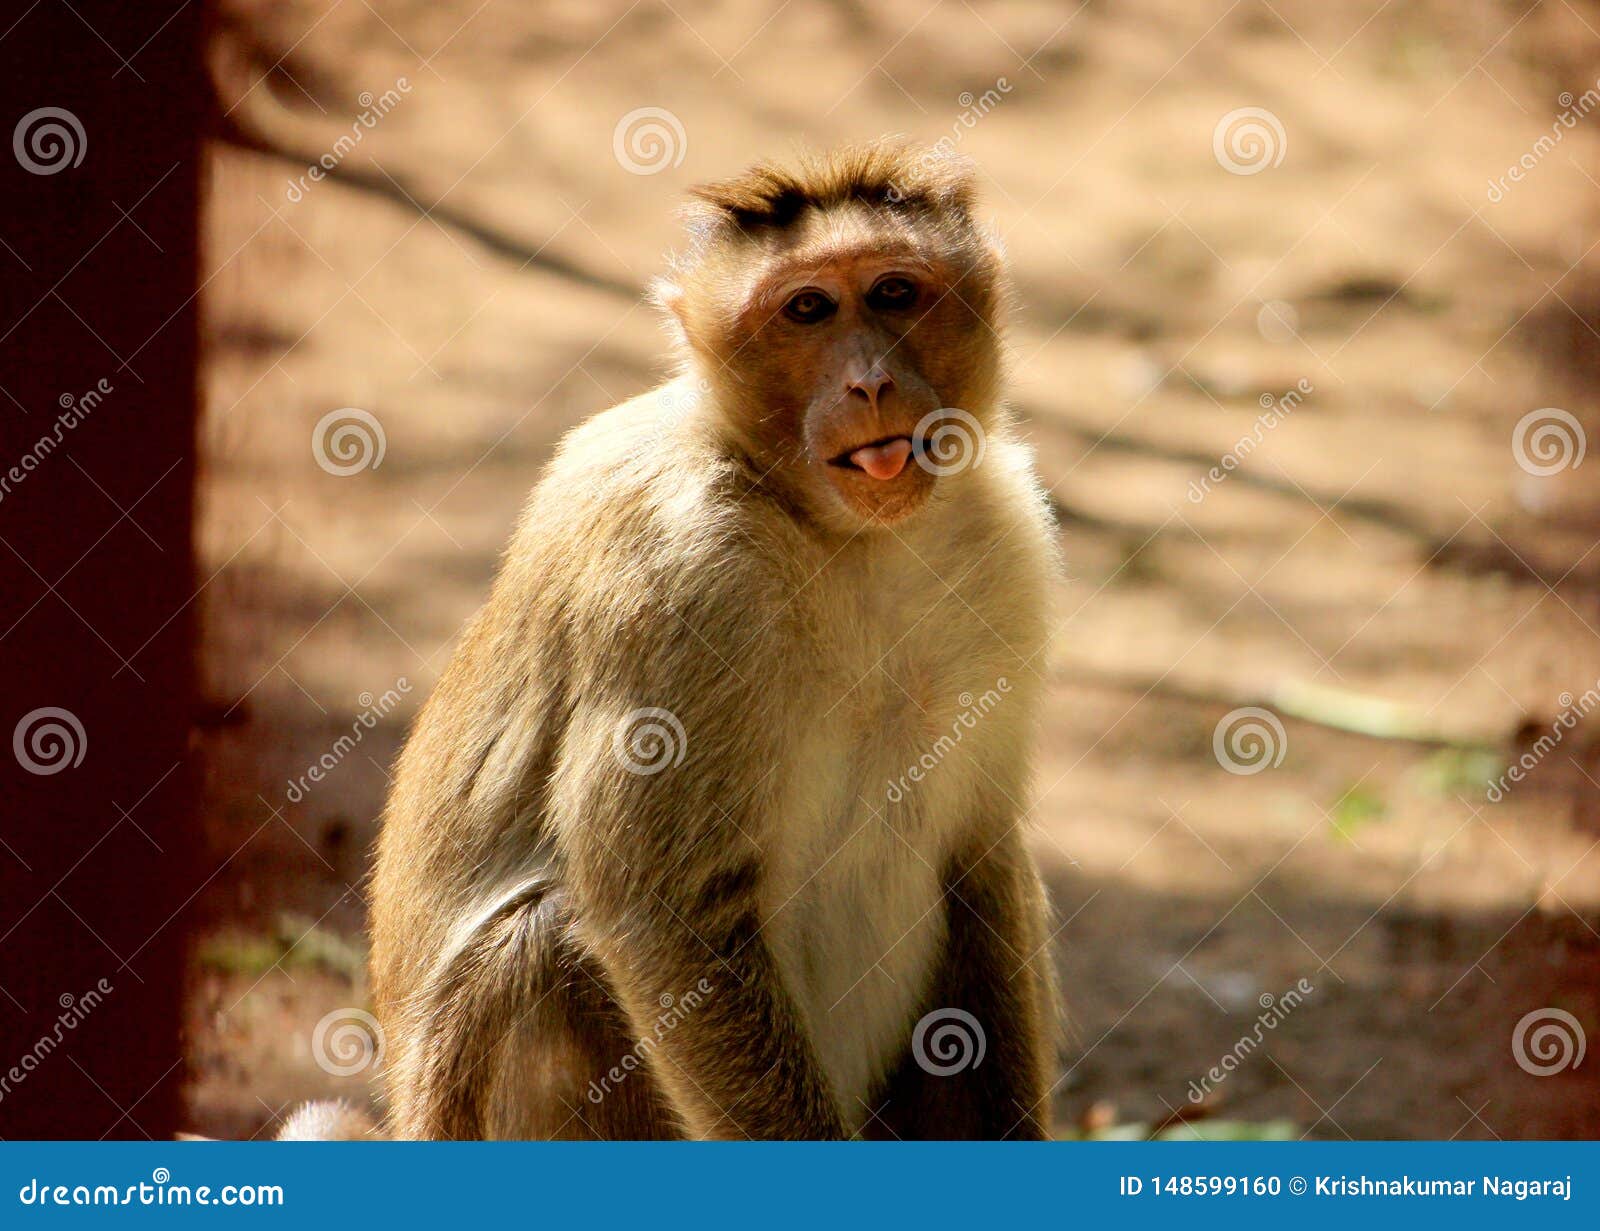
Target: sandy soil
<point>470,274</point>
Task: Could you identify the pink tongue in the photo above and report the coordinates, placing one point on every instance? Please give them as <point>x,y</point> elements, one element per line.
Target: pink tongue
<point>883,461</point>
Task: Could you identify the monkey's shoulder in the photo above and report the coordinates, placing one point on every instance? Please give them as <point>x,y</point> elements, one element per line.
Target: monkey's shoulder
<point>642,522</point>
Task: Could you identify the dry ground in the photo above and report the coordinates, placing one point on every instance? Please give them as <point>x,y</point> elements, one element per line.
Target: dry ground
<point>471,274</point>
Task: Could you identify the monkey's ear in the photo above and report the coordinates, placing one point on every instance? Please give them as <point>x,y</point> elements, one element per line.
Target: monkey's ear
<point>994,244</point>
<point>666,295</point>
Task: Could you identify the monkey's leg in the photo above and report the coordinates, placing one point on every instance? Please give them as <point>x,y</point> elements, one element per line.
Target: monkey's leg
<point>522,1040</point>
<point>990,1080</point>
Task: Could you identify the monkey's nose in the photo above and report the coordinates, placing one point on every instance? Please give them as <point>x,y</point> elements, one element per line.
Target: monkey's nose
<point>872,386</point>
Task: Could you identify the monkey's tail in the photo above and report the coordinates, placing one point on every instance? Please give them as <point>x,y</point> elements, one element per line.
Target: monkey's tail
<point>329,1121</point>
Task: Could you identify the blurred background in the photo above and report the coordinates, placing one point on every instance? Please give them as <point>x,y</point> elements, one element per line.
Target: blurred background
<point>1307,342</point>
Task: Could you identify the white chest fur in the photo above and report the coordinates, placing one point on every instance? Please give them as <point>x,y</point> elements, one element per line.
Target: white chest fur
<point>907,739</point>
<point>861,916</point>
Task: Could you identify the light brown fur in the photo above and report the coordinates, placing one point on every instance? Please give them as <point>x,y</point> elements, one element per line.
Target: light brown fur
<point>757,923</point>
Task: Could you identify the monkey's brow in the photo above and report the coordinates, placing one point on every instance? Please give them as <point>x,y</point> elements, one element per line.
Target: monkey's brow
<point>786,269</point>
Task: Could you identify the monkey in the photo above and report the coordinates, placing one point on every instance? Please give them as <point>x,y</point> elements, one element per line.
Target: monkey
<point>704,831</point>
<point>333,1120</point>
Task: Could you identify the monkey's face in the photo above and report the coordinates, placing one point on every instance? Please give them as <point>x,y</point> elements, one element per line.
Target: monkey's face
<point>849,359</point>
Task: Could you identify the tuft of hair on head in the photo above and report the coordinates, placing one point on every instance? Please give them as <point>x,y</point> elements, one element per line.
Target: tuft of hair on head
<point>328,1121</point>
<point>925,191</point>
<point>888,174</point>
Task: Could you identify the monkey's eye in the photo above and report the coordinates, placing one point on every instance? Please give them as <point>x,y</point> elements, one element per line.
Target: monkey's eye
<point>808,307</point>
<point>892,293</point>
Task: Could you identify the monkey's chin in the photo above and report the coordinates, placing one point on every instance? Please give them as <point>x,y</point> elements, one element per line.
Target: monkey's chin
<point>874,502</point>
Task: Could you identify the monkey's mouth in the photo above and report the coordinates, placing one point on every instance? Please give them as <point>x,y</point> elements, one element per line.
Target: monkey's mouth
<point>883,459</point>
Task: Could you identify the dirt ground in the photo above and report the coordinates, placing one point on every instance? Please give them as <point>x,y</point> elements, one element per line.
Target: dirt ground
<point>1380,574</point>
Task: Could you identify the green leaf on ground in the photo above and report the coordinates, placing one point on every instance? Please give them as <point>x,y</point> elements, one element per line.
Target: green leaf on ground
<point>1357,807</point>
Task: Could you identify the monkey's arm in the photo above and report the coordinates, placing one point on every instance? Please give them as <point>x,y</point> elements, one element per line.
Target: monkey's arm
<point>996,968</point>
<point>724,1039</point>
<point>665,881</point>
